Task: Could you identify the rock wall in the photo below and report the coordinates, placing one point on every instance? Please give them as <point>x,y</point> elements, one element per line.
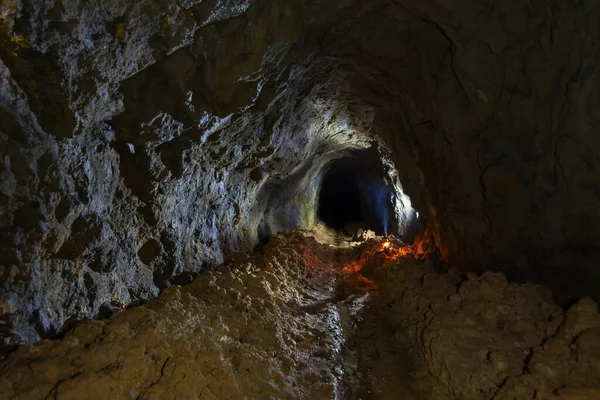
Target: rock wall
<point>490,107</point>
<point>135,140</point>
<point>138,139</point>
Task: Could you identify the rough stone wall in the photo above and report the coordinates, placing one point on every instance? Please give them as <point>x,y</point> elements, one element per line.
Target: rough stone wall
<point>136,136</point>
<point>492,108</point>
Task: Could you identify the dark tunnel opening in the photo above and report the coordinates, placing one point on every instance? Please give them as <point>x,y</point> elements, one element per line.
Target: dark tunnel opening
<point>355,195</point>
<point>340,201</point>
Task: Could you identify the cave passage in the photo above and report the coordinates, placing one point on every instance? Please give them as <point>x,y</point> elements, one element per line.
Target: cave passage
<point>300,193</point>
<point>354,195</point>
<point>340,201</point>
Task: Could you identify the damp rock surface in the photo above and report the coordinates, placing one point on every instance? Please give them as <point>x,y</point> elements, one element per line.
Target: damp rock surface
<point>303,320</point>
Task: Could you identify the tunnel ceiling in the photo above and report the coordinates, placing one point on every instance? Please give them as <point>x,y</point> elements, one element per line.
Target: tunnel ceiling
<point>142,140</point>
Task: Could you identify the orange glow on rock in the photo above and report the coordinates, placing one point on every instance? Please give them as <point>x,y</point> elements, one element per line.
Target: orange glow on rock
<point>393,251</point>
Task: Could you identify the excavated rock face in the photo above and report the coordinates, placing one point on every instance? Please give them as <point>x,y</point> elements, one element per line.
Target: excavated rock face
<point>145,142</point>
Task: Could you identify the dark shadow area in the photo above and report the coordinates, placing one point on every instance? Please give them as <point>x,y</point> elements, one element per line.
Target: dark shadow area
<point>355,194</point>
<point>340,201</point>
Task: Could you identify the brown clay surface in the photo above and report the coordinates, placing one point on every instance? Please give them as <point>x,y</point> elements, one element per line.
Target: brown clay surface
<point>302,320</point>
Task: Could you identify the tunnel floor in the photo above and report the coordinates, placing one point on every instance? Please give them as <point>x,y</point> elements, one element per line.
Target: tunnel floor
<point>301,319</point>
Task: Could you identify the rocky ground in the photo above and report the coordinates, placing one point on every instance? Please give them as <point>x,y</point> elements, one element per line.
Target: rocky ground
<point>304,320</point>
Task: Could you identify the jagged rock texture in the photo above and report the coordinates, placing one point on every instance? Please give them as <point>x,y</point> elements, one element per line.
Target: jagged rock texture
<point>275,326</point>
<point>144,142</point>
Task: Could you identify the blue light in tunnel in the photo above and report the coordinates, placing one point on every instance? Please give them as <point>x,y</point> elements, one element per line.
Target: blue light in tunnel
<point>378,197</point>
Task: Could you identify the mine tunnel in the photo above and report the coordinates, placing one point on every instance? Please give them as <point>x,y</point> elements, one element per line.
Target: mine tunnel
<point>299,200</point>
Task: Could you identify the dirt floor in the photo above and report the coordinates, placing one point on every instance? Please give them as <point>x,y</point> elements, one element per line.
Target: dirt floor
<point>324,317</point>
